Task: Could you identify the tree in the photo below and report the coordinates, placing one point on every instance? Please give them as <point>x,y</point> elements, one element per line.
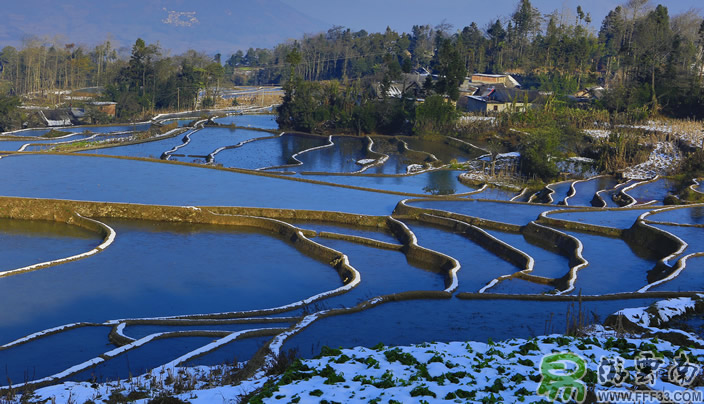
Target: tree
<point>654,39</point>
<point>497,36</point>
<point>134,88</point>
<point>293,59</point>
<point>421,46</point>
<point>451,69</point>
<point>472,41</point>
<point>527,20</point>
<point>538,153</point>
<point>9,113</point>
<point>435,116</point>
<point>612,36</point>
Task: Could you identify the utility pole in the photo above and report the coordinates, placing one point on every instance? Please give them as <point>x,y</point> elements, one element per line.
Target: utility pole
<point>178,98</point>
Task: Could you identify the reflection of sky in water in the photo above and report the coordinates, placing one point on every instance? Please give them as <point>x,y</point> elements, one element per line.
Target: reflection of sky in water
<point>625,271</point>
<point>608,197</point>
<point>515,286</point>
<point>561,191</point>
<point>268,152</point>
<point>547,263</point>
<point>12,145</point>
<point>656,190</point>
<point>511,213</point>
<point>54,353</point>
<point>117,180</point>
<point>496,194</point>
<point>438,182</point>
<point>383,272</point>
<point>691,278</point>
<point>25,242</point>
<point>693,236</point>
<point>163,269</point>
<point>418,321</point>
<point>395,164</point>
<point>263,121</point>
<point>586,190</point>
<point>478,266</point>
<point>207,140</point>
<point>619,218</point>
<point>30,132</point>
<point>342,157</point>
<point>686,215</point>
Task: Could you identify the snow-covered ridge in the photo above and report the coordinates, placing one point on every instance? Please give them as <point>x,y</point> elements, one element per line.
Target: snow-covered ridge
<point>506,371</point>
<point>107,241</point>
<point>662,161</point>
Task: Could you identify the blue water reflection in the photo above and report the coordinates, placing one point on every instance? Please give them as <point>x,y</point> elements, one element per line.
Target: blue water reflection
<point>118,180</point>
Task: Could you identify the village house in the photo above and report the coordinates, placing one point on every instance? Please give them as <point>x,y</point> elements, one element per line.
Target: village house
<point>106,107</point>
<point>75,115</point>
<point>56,117</point>
<point>505,79</point>
<point>410,85</point>
<point>497,98</point>
<point>587,94</point>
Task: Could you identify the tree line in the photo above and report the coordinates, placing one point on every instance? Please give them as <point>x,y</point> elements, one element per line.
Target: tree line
<point>647,58</point>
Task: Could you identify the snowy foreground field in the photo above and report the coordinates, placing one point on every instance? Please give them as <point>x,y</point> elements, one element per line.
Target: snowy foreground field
<point>542,369</point>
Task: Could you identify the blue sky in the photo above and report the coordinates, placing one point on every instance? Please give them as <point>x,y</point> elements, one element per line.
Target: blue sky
<point>401,15</point>
<point>225,26</point>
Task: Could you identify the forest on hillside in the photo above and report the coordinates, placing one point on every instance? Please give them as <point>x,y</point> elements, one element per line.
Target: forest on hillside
<point>647,58</point>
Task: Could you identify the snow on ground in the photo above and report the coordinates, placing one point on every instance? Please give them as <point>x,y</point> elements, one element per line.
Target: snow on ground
<point>467,118</point>
<point>660,312</point>
<point>479,177</point>
<point>690,132</point>
<point>508,155</point>
<point>509,371</point>
<point>598,133</point>
<point>662,161</point>
<point>414,168</point>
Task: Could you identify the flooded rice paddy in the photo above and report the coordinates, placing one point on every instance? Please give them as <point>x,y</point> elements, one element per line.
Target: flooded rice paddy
<point>585,191</point>
<point>267,237</point>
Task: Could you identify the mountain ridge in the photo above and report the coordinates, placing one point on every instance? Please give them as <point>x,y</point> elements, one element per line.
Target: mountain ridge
<point>176,25</point>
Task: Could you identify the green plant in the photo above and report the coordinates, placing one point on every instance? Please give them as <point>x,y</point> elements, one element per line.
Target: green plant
<point>395,355</point>
<point>422,390</point>
<point>329,373</point>
<point>327,351</point>
<point>527,347</point>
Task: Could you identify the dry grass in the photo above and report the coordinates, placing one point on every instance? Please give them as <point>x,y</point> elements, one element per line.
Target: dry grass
<point>259,100</point>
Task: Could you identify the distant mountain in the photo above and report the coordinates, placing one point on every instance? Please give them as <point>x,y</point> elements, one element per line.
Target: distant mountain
<point>210,26</point>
